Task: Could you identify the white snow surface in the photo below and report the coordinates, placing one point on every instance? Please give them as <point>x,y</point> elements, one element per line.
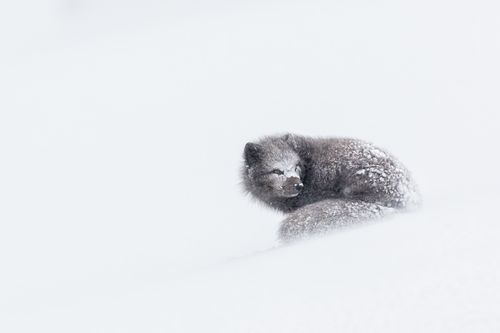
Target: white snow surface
<point>122,125</point>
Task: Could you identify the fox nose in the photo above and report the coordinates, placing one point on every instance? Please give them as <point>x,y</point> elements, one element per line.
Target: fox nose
<point>299,186</point>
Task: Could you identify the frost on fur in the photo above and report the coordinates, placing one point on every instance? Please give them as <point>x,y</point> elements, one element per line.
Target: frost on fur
<point>327,215</point>
<point>324,183</point>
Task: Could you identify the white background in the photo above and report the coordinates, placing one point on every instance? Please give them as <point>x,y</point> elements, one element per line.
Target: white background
<point>122,125</point>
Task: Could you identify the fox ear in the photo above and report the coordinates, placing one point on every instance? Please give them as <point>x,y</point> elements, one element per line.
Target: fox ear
<point>290,138</point>
<point>253,153</point>
<point>299,144</point>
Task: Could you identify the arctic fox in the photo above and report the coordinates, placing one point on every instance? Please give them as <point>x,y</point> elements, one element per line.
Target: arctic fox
<point>323,183</point>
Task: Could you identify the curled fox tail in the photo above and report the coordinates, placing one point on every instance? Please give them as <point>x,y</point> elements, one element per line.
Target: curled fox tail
<point>329,214</point>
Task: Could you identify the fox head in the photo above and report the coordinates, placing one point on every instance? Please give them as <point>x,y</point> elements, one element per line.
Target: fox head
<point>273,169</point>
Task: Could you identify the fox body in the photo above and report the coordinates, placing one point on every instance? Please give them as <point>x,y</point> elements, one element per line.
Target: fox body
<point>326,181</point>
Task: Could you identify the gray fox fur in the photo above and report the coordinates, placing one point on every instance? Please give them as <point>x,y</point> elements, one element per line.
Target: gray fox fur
<point>324,183</point>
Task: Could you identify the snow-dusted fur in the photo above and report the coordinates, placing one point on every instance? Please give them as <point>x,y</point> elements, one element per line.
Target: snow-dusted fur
<point>329,214</point>
<point>325,182</point>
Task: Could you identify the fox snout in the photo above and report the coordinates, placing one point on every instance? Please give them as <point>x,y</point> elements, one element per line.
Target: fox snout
<point>293,186</point>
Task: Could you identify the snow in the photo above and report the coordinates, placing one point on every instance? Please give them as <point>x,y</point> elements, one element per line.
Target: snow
<point>122,125</point>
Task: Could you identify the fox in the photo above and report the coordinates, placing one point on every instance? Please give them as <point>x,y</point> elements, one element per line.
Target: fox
<point>325,183</point>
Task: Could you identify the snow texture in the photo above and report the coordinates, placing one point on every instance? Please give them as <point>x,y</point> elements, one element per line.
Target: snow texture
<point>121,129</point>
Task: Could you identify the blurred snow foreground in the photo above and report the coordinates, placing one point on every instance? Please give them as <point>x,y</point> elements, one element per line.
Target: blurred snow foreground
<point>122,125</point>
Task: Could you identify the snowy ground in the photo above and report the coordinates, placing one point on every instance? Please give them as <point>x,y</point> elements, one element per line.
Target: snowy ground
<point>122,125</point>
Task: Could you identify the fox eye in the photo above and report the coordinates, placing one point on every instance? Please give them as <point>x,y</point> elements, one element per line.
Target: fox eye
<point>277,172</point>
